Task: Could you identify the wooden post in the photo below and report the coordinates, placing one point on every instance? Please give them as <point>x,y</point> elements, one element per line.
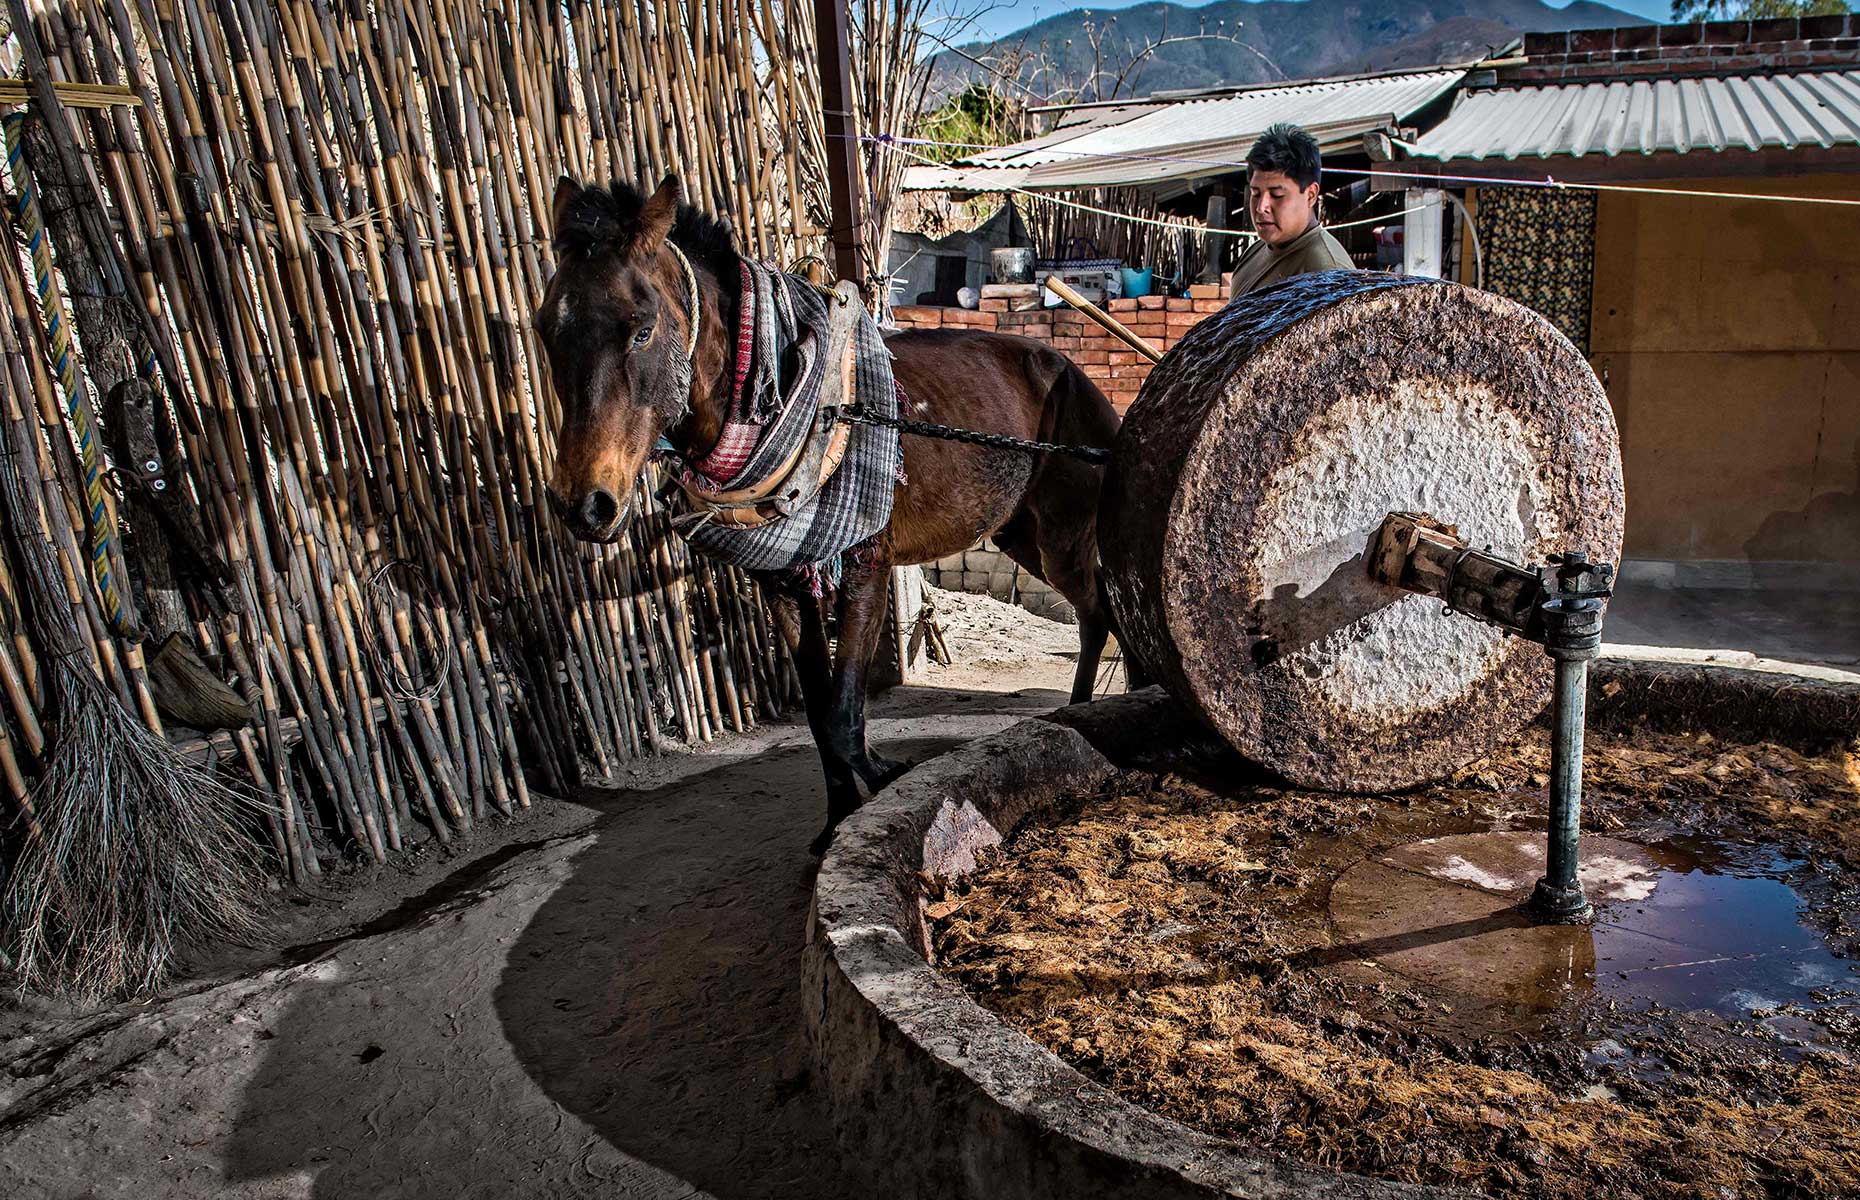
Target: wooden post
<point>835,46</point>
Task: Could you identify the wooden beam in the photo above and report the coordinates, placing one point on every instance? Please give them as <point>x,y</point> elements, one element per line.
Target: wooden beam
<point>1111,324</point>
<point>74,95</point>
<point>835,48</point>
<point>220,744</point>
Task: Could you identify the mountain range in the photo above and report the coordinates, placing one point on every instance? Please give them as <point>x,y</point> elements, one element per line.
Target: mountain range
<point>1242,41</point>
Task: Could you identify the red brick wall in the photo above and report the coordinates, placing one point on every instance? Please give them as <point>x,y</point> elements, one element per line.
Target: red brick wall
<point>1672,51</point>
<point>1112,365</point>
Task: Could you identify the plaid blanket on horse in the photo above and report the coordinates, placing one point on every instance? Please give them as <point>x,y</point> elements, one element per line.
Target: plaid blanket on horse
<point>752,500</point>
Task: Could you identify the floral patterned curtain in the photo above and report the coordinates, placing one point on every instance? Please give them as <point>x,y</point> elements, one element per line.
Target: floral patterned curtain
<point>1539,246</point>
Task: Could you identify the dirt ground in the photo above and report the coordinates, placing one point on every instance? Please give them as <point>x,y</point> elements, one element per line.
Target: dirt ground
<point>599,999</point>
<point>1170,937</point>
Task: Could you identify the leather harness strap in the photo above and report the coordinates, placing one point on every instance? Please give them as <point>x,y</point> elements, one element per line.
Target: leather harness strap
<point>798,479</point>
<point>755,514</point>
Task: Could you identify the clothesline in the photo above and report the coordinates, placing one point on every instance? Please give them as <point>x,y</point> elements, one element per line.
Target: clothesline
<point>895,144</point>
<point>1386,171</point>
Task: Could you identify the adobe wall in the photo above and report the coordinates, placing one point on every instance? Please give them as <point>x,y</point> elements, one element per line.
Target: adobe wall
<point>1728,335</point>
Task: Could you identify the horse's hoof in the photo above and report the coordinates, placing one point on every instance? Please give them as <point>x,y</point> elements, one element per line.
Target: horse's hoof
<point>882,772</point>
<point>838,809</point>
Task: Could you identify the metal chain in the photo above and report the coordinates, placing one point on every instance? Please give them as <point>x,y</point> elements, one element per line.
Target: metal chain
<point>994,441</point>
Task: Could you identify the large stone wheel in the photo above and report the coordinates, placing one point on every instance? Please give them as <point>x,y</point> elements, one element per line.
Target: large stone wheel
<point>1264,450</point>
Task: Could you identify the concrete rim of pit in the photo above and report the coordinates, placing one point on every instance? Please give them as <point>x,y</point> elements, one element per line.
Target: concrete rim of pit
<point>935,1095</point>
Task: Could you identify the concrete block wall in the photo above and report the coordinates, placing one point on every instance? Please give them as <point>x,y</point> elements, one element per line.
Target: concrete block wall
<point>984,570</point>
<point>1118,371</point>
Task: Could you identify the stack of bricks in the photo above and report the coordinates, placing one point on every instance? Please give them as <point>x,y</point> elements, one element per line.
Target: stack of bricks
<point>1118,370</point>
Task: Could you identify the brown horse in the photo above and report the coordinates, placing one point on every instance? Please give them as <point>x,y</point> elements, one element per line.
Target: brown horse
<point>616,322</point>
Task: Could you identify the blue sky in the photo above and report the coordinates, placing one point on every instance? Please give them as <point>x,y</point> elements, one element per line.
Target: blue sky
<point>1010,15</point>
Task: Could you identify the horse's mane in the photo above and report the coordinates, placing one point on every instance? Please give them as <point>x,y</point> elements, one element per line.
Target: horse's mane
<point>608,218</point>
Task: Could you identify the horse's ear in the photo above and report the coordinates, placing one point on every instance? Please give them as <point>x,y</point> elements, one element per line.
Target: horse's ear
<point>567,191</point>
<point>657,216</point>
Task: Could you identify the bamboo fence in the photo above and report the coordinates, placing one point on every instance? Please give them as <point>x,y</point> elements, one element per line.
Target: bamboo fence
<point>1172,253</point>
<point>329,218</point>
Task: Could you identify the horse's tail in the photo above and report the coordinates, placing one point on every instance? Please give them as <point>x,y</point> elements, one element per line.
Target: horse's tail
<point>1076,412</point>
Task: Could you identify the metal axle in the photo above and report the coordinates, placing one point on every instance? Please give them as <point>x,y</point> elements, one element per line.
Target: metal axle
<point>1559,606</point>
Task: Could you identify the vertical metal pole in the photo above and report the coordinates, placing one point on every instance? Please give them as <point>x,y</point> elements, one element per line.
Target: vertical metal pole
<point>1571,700</point>
<point>835,48</point>
<point>1572,636</point>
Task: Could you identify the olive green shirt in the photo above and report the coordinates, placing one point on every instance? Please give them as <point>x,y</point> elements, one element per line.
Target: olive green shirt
<point>1311,251</point>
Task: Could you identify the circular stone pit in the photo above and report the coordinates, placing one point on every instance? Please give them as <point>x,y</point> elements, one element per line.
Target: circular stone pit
<point>936,1095</point>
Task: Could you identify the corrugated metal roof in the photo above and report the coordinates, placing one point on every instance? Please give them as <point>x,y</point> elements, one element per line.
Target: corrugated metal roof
<point>927,178</point>
<point>1069,128</point>
<point>1191,160</point>
<point>1754,112</point>
<point>1150,142</point>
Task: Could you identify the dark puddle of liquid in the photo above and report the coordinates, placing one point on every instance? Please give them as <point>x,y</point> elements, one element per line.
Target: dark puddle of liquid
<point>1722,932</point>
<point>1699,937</point>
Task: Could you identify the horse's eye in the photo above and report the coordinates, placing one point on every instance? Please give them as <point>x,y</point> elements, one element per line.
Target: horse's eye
<point>642,337</point>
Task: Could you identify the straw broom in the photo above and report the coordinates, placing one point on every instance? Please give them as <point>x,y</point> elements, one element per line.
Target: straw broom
<point>133,853</point>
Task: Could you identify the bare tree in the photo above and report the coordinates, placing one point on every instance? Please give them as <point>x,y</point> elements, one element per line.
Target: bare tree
<point>1126,75</point>
<point>1717,10</point>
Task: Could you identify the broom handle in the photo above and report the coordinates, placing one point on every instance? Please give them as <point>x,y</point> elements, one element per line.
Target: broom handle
<point>1063,290</point>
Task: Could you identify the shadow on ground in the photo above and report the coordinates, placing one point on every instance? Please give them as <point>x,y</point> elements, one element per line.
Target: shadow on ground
<point>1814,628</point>
<point>653,996</point>
<point>657,994</point>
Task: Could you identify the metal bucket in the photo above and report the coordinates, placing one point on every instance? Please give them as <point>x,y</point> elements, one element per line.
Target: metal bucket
<point>1012,264</point>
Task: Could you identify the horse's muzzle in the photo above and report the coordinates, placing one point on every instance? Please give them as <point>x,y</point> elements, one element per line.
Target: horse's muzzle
<point>598,516</point>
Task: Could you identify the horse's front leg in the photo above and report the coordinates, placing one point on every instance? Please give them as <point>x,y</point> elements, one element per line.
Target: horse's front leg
<point>863,592</point>
<point>833,687</point>
<point>803,627</point>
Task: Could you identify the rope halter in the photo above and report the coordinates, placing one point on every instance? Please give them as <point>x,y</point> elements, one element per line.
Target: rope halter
<point>693,315</point>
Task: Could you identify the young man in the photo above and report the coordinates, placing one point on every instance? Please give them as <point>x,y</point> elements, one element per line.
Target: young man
<point>1282,194</point>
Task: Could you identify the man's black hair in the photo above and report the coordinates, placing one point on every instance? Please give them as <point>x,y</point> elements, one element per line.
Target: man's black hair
<point>1290,151</point>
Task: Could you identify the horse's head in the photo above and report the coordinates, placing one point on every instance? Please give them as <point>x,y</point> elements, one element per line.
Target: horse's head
<point>616,321</point>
